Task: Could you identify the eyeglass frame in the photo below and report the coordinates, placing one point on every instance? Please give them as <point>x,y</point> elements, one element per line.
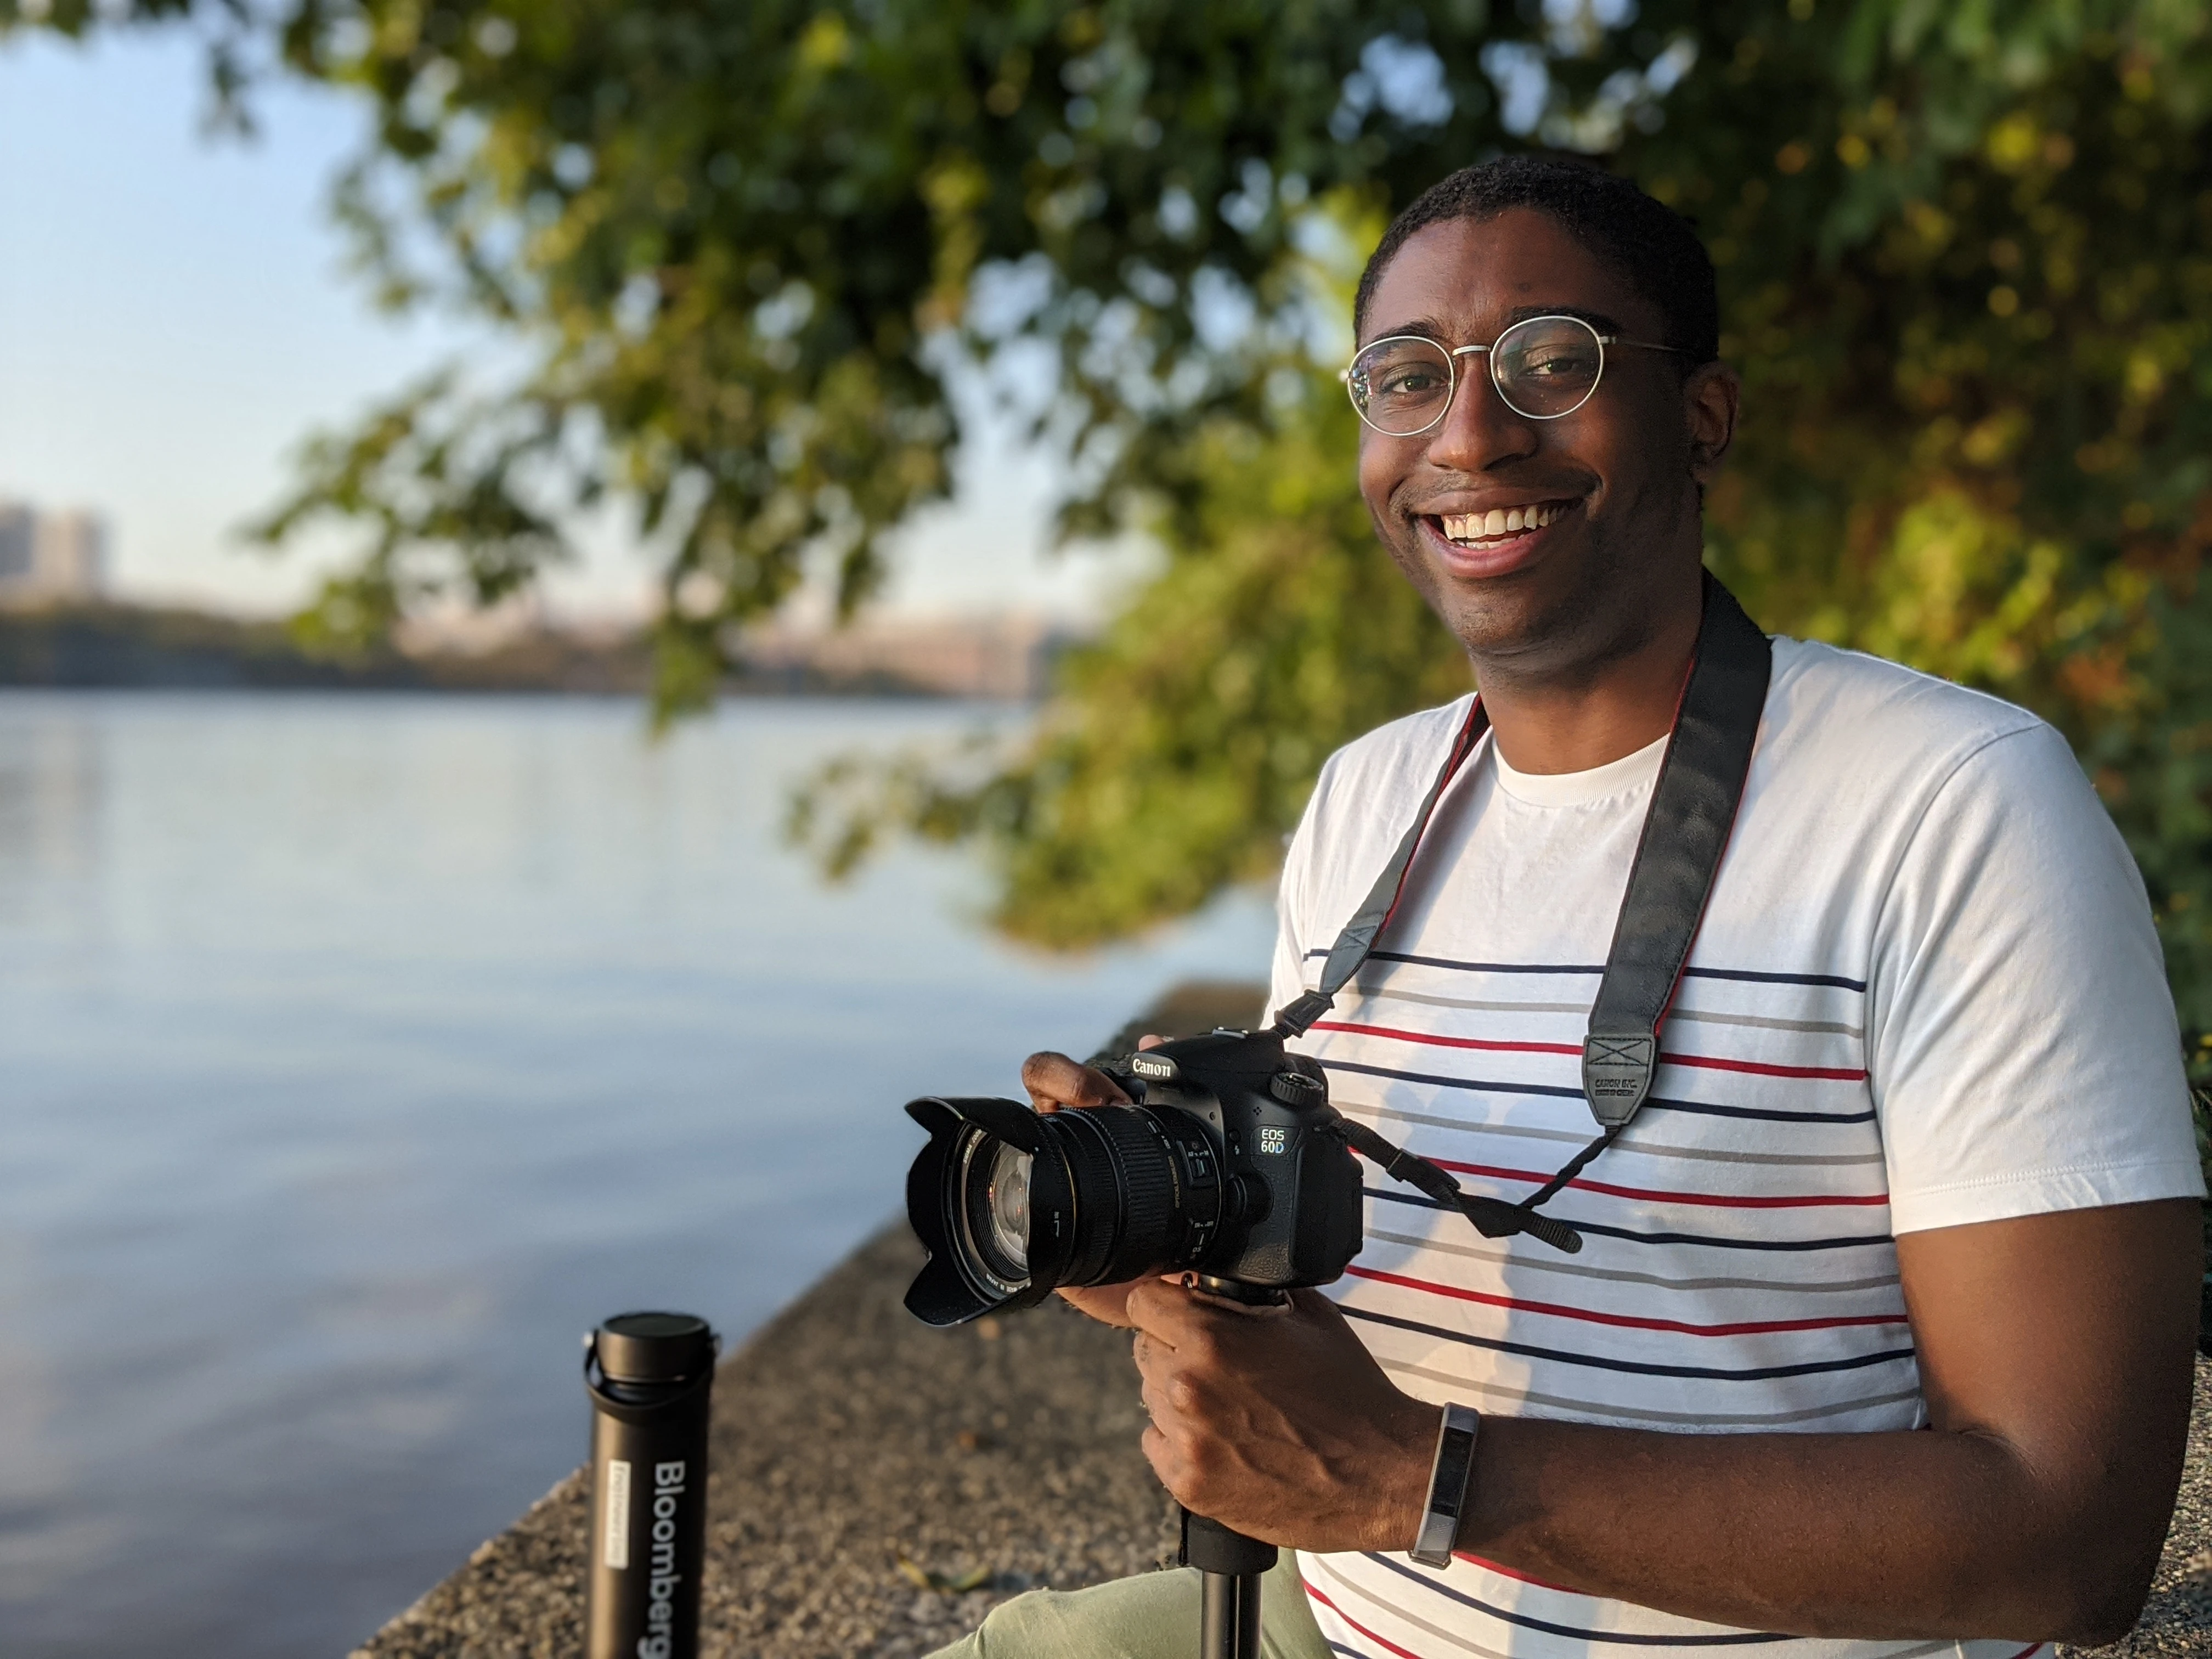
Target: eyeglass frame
<point>1453,354</point>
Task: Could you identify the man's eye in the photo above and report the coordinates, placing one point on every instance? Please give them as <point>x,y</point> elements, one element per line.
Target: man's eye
<point>1560,365</point>
<point>1411,383</point>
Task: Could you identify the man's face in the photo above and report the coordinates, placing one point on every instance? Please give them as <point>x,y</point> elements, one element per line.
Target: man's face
<point>1610,488</point>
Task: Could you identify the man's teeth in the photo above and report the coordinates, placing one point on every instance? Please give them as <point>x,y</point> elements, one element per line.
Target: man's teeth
<point>1500,521</point>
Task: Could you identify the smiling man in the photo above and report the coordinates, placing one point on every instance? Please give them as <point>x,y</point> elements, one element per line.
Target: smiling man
<point>1879,1345</point>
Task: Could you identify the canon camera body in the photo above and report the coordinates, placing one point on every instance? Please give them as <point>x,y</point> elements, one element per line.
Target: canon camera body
<point>1230,1163</point>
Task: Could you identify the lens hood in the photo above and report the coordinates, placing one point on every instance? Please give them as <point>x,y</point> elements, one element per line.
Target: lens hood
<point>955,1285</point>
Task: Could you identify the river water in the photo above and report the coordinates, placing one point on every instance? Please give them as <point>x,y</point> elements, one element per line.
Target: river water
<point>358,1053</point>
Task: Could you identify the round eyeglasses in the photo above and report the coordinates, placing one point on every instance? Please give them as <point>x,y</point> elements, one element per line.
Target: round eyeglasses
<point>1543,368</point>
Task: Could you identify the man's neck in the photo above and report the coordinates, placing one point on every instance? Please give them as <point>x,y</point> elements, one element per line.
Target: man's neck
<point>1610,707</point>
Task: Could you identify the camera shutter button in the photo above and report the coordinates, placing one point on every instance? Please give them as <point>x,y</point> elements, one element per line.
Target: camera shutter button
<point>1297,1089</point>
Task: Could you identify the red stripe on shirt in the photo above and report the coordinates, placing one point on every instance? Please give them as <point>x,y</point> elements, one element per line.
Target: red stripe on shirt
<point>1402,1653</point>
<point>1448,1042</point>
<point>1713,1062</point>
<point>1760,1068</point>
<point>1488,1565</point>
<point>1715,1201</point>
<point>1748,1327</point>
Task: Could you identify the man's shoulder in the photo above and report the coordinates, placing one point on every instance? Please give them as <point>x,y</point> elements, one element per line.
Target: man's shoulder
<point>1874,731</point>
<point>1405,754</point>
<point>1869,717</point>
<point>1407,746</point>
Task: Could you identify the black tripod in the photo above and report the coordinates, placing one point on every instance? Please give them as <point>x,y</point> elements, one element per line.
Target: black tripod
<point>1231,1564</point>
<point>1229,1613</point>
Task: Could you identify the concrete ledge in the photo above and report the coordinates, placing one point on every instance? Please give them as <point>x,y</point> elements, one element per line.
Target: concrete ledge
<point>865,1464</point>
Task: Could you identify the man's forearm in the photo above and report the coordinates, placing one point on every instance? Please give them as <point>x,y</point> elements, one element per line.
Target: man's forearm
<point>1896,1534</point>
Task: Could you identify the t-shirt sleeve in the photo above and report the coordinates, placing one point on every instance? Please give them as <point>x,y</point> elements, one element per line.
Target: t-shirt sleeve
<point>2023,1051</point>
<point>1294,906</point>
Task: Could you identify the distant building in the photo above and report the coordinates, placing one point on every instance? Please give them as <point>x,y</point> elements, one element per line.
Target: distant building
<point>19,529</point>
<point>69,553</point>
<point>46,557</point>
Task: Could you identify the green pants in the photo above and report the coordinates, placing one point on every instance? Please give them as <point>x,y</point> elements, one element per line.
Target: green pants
<point>1151,1616</point>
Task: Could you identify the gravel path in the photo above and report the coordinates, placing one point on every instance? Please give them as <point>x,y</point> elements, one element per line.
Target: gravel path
<point>864,1464</point>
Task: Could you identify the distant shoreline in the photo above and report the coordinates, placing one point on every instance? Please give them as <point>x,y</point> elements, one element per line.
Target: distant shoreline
<point>125,647</point>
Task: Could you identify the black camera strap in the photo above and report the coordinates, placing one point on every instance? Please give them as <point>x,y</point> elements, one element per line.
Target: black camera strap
<point>1678,855</point>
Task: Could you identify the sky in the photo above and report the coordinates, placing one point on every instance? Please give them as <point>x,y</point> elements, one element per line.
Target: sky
<point>176,318</point>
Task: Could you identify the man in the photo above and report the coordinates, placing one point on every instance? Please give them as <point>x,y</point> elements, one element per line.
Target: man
<point>1881,1342</point>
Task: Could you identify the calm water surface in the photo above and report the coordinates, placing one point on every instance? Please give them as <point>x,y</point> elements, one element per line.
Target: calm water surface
<point>357,1054</point>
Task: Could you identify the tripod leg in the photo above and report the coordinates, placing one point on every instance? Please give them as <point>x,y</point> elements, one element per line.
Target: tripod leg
<point>1229,1616</point>
<point>1228,1611</point>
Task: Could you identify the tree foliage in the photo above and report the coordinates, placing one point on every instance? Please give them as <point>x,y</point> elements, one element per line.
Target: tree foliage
<point>1963,255</point>
<point>727,229</point>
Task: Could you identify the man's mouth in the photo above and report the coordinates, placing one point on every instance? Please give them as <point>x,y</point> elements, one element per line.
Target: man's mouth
<point>1499,525</point>
<point>1495,542</point>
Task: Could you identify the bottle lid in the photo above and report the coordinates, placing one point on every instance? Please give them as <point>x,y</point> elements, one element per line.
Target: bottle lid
<point>654,1347</point>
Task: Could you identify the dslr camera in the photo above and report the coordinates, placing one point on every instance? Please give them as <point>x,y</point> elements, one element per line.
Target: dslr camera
<point>1229,1164</point>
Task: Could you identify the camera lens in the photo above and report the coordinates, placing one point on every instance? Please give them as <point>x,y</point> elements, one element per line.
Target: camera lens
<point>1012,1205</point>
<point>1008,1201</point>
<point>989,1220</point>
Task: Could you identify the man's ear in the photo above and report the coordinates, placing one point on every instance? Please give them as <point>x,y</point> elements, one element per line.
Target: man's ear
<point>1709,405</point>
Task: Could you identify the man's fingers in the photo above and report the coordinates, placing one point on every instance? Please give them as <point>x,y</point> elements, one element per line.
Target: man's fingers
<point>1106,1303</point>
<point>1054,1081</point>
<point>1161,1456</point>
<point>1314,1305</point>
<point>1172,1312</point>
<point>1162,1309</point>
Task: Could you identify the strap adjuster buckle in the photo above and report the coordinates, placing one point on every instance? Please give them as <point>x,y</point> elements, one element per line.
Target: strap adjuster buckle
<point>1294,1020</point>
<point>1617,1068</point>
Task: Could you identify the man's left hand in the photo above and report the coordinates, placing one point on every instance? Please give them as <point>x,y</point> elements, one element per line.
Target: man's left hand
<point>1278,1422</point>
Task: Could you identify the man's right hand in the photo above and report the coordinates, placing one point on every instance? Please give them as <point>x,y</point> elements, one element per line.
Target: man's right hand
<point>1056,1083</point>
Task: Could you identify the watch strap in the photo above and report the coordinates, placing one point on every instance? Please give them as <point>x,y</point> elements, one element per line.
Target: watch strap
<point>1450,1475</point>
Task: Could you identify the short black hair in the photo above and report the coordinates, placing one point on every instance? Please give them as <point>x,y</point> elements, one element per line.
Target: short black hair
<point>1649,245</point>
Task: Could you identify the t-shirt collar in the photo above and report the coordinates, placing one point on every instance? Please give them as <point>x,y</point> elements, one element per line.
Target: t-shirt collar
<point>1624,776</point>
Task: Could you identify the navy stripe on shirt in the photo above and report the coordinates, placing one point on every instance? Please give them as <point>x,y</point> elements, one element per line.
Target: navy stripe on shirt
<point>1637,1367</point>
<point>1851,1241</point>
<point>1753,975</point>
<point>1485,1085</point>
<point>1733,1639</point>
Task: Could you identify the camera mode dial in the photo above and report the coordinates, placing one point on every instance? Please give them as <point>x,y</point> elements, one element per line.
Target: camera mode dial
<point>1297,1089</point>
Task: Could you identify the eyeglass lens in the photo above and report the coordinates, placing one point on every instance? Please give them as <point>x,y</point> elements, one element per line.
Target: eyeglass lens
<point>1543,368</point>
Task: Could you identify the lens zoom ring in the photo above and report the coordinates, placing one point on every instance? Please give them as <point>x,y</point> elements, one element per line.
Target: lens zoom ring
<point>1149,1225</point>
<point>1124,1194</point>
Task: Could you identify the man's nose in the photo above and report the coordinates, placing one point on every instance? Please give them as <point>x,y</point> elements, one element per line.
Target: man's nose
<point>1479,429</point>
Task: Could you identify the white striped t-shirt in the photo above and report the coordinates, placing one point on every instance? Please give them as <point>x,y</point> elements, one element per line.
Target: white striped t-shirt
<point>1927,992</point>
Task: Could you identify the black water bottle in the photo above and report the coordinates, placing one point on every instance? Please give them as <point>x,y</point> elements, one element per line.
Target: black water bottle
<point>649,1375</point>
